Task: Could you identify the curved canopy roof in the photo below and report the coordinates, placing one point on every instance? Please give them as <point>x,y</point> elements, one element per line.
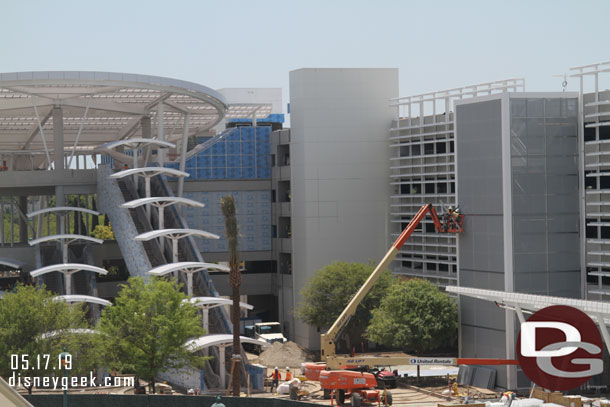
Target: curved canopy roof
<point>162,201</point>
<point>176,233</point>
<point>531,302</point>
<point>114,103</point>
<point>186,266</point>
<point>211,302</point>
<point>62,209</point>
<point>219,340</point>
<point>150,172</point>
<point>67,267</point>
<point>66,236</point>
<point>53,334</point>
<point>14,263</point>
<point>136,142</point>
<point>82,298</point>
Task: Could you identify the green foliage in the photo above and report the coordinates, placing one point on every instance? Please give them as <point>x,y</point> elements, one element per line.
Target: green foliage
<point>147,327</point>
<point>415,315</point>
<point>329,291</point>
<point>28,313</point>
<point>103,232</point>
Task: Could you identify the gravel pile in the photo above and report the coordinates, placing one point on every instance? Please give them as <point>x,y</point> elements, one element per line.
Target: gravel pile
<point>282,355</point>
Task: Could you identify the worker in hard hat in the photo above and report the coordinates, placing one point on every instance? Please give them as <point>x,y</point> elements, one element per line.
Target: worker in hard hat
<point>276,377</point>
<point>288,374</point>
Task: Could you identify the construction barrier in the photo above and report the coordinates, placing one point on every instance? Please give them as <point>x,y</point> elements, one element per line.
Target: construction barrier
<point>156,400</point>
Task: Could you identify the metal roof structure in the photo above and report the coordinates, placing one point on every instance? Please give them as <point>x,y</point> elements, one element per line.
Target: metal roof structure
<point>61,209</point>
<point>150,172</point>
<point>162,201</point>
<point>82,298</point>
<point>65,236</point>
<point>136,142</point>
<point>14,263</point>
<point>212,302</point>
<point>218,340</point>
<point>186,266</point>
<point>101,106</point>
<point>67,268</point>
<point>519,302</point>
<point>176,234</point>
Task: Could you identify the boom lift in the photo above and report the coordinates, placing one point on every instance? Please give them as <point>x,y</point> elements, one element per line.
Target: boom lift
<point>453,221</point>
<point>361,385</point>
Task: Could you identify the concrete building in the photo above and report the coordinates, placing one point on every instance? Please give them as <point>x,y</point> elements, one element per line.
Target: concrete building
<point>338,171</point>
<point>517,181</point>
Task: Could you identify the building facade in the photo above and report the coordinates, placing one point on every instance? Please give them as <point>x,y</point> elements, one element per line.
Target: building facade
<point>517,183</point>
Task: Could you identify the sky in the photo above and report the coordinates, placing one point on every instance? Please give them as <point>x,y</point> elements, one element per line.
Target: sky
<point>233,43</point>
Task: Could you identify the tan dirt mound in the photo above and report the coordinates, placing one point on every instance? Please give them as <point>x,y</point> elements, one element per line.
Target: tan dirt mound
<point>282,355</point>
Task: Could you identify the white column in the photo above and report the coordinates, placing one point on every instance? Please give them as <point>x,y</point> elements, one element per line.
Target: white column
<point>189,283</point>
<point>185,136</point>
<point>175,250</point>
<point>221,362</point>
<point>58,138</point>
<point>205,312</point>
<point>161,134</point>
<point>68,281</point>
<point>147,194</point>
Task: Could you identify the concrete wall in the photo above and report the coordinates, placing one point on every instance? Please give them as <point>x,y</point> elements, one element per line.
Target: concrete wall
<point>339,170</point>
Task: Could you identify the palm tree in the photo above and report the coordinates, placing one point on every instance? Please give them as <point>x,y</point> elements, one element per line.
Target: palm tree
<point>227,204</point>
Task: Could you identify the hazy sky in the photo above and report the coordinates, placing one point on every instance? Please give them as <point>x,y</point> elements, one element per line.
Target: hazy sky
<point>435,44</point>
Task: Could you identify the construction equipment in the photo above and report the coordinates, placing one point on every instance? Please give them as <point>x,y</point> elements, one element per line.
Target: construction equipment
<point>451,222</point>
<point>360,385</point>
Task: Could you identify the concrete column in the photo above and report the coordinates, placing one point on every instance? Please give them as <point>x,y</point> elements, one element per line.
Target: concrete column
<point>161,157</point>
<point>189,284</point>
<point>222,369</point>
<point>183,148</point>
<point>146,133</point>
<point>23,226</point>
<point>58,138</point>
<point>205,311</point>
<point>60,200</point>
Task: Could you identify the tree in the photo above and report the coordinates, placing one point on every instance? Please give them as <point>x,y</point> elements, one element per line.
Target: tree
<point>145,331</point>
<point>227,204</point>
<point>329,291</point>
<point>415,316</point>
<point>103,232</point>
<point>26,315</point>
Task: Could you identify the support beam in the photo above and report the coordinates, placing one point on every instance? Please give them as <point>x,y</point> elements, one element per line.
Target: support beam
<point>36,129</point>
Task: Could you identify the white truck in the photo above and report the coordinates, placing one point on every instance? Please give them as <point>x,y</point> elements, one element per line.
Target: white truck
<point>269,332</point>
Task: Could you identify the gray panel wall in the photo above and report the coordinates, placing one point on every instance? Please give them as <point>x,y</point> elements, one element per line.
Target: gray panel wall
<point>481,246</point>
<point>339,171</point>
<point>544,213</point>
<point>544,169</point>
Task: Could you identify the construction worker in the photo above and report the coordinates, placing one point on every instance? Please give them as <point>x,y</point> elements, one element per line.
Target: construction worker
<point>288,374</point>
<point>276,376</point>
